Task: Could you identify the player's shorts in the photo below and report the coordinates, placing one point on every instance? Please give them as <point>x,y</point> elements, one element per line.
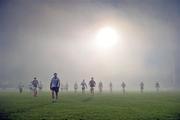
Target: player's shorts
<point>56,89</point>
<point>92,85</point>
<point>92,88</point>
<point>34,88</point>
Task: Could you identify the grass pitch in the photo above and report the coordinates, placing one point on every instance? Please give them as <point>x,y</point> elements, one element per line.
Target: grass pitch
<point>71,106</point>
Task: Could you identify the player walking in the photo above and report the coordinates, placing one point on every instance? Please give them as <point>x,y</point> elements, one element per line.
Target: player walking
<point>141,87</point>
<point>66,87</point>
<point>110,86</point>
<point>84,86</point>
<point>35,84</point>
<point>20,86</point>
<point>92,84</point>
<point>100,86</point>
<point>54,86</point>
<point>157,86</point>
<point>75,87</point>
<point>123,85</point>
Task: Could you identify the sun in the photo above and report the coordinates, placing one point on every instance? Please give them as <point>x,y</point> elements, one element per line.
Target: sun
<point>106,38</point>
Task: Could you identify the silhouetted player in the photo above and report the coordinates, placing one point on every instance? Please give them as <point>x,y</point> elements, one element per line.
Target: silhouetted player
<point>92,84</point>
<point>84,86</point>
<point>110,86</point>
<point>123,85</point>
<point>100,86</point>
<point>66,87</point>
<point>75,87</point>
<point>142,87</point>
<point>35,84</point>
<point>20,87</point>
<point>157,86</point>
<point>54,86</point>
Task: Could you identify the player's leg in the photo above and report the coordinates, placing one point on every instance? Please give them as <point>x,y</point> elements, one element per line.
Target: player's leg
<point>20,90</point>
<point>56,91</point>
<point>34,92</point>
<point>56,95</point>
<point>52,91</point>
<point>83,90</point>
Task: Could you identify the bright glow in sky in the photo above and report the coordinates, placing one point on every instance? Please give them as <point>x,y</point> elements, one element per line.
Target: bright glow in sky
<point>106,38</point>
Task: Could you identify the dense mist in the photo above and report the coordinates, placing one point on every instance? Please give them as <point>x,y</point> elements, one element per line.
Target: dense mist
<point>38,38</point>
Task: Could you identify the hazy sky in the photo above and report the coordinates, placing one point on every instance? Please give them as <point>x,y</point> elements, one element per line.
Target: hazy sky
<point>40,37</point>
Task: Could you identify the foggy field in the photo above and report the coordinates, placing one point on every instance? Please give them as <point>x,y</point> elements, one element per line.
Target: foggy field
<point>101,45</point>
<point>132,106</point>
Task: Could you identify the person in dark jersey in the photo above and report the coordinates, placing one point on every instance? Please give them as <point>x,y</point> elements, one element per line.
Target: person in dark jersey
<point>54,86</point>
<point>35,85</point>
<point>92,84</point>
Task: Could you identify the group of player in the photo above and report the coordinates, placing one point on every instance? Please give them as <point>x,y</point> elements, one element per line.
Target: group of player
<point>92,84</point>
<point>55,86</point>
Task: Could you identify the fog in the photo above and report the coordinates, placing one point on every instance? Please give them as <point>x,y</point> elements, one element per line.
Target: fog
<point>38,38</point>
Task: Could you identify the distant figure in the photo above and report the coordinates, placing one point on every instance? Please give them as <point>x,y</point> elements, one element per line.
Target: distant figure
<point>40,85</point>
<point>92,84</point>
<point>110,86</point>
<point>30,86</point>
<point>142,87</point>
<point>100,86</point>
<point>84,86</point>
<point>123,85</point>
<point>62,87</point>
<point>157,86</point>
<point>75,87</point>
<point>20,87</point>
<point>35,84</point>
<point>66,87</point>
<point>54,86</point>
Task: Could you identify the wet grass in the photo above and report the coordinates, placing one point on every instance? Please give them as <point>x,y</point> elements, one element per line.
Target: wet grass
<point>71,106</point>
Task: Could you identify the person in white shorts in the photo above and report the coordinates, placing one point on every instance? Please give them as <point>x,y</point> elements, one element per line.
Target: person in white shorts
<point>84,86</point>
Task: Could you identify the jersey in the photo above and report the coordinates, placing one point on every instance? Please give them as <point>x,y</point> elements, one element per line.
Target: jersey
<point>123,85</point>
<point>92,83</point>
<point>35,83</point>
<point>142,85</point>
<point>83,84</point>
<point>55,82</point>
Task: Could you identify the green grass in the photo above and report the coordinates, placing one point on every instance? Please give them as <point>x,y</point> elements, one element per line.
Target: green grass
<point>70,106</point>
